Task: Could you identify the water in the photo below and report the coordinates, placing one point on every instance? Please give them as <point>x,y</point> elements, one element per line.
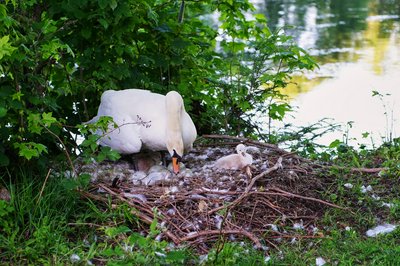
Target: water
<point>357,45</point>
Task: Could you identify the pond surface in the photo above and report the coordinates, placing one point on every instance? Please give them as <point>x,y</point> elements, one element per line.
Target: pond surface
<point>357,45</point>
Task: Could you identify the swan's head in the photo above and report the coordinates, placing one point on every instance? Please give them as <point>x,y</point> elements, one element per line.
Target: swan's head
<point>175,149</point>
<point>241,149</point>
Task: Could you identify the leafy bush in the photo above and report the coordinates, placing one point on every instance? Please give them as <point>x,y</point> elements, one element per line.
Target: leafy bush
<point>57,57</point>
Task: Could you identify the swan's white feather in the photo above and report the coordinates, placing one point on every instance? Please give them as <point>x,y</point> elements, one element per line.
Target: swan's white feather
<point>142,119</point>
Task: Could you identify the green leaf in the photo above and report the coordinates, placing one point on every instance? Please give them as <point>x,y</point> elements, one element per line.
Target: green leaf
<point>4,160</point>
<point>103,3</point>
<point>260,17</point>
<point>48,119</point>
<point>176,256</point>
<point>3,111</point>
<point>17,96</point>
<point>113,4</point>
<point>30,149</point>
<point>114,231</point>
<point>365,135</point>
<point>6,48</point>
<point>103,22</point>
<point>335,144</point>
<point>34,123</point>
<point>86,32</point>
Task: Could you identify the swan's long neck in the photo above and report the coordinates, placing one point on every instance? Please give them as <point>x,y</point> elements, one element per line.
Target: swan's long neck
<point>174,108</point>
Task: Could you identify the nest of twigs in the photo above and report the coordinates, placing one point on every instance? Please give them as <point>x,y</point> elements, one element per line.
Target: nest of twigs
<point>282,199</point>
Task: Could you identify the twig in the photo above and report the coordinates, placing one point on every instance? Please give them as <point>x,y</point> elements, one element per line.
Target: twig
<point>249,235</point>
<point>248,188</point>
<point>65,149</point>
<point>44,184</point>
<point>368,170</point>
<point>246,140</point>
<point>145,218</point>
<point>89,224</point>
<point>288,194</point>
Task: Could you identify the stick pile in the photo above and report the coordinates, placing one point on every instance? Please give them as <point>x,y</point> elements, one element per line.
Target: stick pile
<point>281,201</point>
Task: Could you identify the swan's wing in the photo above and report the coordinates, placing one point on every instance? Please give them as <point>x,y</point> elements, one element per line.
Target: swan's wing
<point>143,109</point>
<point>124,138</point>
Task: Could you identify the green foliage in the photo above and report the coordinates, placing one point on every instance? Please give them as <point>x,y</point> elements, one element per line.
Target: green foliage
<point>345,248</point>
<point>235,254</point>
<point>58,57</point>
<point>32,227</point>
<point>89,147</point>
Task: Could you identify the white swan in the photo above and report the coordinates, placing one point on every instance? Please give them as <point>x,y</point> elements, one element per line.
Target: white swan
<point>147,121</point>
<point>235,161</point>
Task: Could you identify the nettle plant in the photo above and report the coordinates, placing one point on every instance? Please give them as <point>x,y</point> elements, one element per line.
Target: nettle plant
<point>57,57</point>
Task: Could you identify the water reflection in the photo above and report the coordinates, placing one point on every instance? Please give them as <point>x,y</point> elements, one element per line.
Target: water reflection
<point>357,44</point>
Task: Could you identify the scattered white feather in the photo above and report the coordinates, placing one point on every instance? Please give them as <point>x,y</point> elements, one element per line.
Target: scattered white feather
<point>191,233</point>
<point>140,197</point>
<point>162,255</point>
<point>186,173</point>
<point>218,221</point>
<point>253,149</point>
<point>174,189</point>
<point>203,258</point>
<point>127,248</point>
<point>381,229</point>
<point>348,185</point>
<point>320,261</point>
<point>137,177</point>
<point>74,258</point>
<point>158,237</point>
<point>366,189</point>
<point>274,227</point>
<point>298,226</point>
<point>389,205</point>
<point>375,197</point>
<point>171,212</point>
<point>157,177</point>
<point>267,259</point>
<point>315,230</point>
<point>197,196</point>
<point>347,228</point>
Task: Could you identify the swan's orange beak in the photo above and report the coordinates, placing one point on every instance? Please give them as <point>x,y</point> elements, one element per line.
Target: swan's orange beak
<point>175,165</point>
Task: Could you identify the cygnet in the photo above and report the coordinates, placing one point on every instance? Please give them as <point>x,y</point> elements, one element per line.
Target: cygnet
<point>235,161</point>
<point>156,175</point>
<point>145,160</point>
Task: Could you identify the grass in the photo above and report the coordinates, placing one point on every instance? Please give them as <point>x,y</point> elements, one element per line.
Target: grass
<point>48,222</point>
